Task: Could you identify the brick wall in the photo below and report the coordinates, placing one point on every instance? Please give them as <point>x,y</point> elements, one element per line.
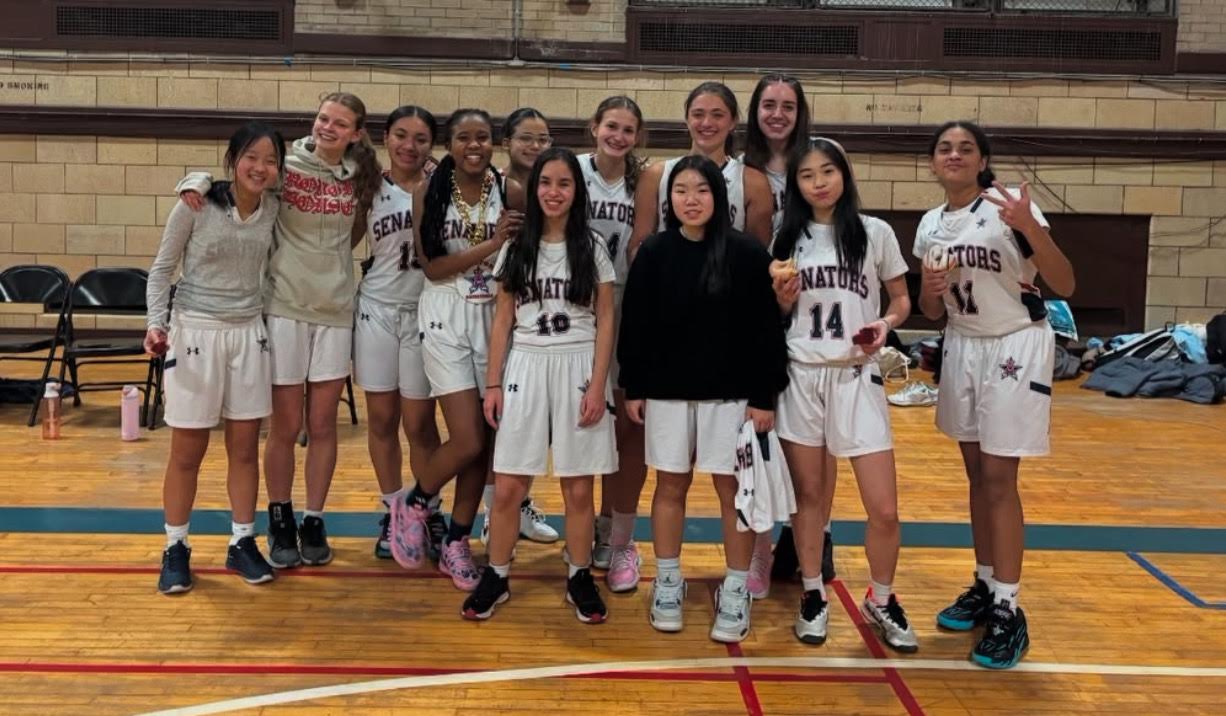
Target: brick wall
<point>437,18</point>
<point>1202,26</point>
<point>85,201</point>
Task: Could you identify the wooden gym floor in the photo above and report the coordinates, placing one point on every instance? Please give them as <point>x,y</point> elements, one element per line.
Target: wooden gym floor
<point>1123,588</point>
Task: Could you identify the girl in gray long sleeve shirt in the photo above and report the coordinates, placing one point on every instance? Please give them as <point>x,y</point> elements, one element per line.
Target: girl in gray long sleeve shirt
<point>217,355</point>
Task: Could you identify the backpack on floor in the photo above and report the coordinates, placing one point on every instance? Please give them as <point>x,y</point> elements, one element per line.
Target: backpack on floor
<point>1215,339</point>
<point>1156,345</point>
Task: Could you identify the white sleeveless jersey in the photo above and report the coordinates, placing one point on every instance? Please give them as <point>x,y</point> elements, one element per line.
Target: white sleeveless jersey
<point>551,320</point>
<point>835,304</point>
<point>393,275</point>
<point>475,285</point>
<point>779,183</point>
<point>734,178</point>
<point>993,267</point>
<point>610,214</point>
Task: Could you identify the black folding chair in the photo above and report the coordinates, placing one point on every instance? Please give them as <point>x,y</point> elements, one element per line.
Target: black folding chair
<point>111,291</point>
<point>44,286</point>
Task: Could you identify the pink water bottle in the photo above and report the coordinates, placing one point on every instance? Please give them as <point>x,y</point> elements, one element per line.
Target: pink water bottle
<point>51,411</point>
<point>129,413</point>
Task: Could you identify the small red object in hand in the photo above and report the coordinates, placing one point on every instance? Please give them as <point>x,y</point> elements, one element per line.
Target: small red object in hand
<point>865,337</point>
<point>160,347</point>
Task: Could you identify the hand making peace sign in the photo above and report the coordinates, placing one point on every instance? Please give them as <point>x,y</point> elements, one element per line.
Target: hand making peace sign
<point>1014,210</point>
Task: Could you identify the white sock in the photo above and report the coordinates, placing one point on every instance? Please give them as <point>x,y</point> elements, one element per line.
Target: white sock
<point>488,496</point>
<point>735,579</point>
<point>668,570</point>
<point>881,593</point>
<point>811,583</point>
<point>573,569</point>
<point>389,498</point>
<point>239,530</point>
<point>1005,592</point>
<point>983,572</point>
<point>318,514</point>
<point>502,570</point>
<point>177,534</point>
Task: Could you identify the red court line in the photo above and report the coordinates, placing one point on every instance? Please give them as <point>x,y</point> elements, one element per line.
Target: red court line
<point>375,670</point>
<point>875,648</point>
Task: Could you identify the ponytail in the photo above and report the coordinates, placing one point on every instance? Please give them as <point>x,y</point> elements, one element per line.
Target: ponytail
<point>434,208</point>
<point>369,175</point>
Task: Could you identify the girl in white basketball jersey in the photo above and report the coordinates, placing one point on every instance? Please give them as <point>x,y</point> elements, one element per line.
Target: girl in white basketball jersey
<point>217,365</point>
<point>465,217</point>
<point>612,172</point>
<point>982,251</point>
<point>387,361</point>
<point>710,115</point>
<point>525,134</point>
<point>777,127</point>
<point>550,394</point>
<point>702,351</point>
<point>835,401</point>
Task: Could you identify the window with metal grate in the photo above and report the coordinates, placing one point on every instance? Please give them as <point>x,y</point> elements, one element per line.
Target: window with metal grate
<point>719,38</point>
<point>1053,44</point>
<point>168,22</point>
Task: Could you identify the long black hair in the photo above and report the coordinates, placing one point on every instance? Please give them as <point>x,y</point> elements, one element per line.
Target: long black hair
<point>719,89</point>
<point>442,181</point>
<point>985,177</point>
<point>240,142</point>
<point>715,270</point>
<point>518,274</point>
<point>517,117</point>
<point>757,148</point>
<point>634,163</point>
<point>412,110</point>
<point>850,236</point>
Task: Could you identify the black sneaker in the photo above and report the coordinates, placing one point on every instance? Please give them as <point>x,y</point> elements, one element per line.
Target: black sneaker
<point>583,594</point>
<point>383,545</point>
<point>245,558</point>
<point>786,566</point>
<point>810,624</point>
<point>282,536</point>
<point>314,541</point>
<point>176,569</point>
<point>1004,641</point>
<point>491,591</point>
<point>828,573</point>
<point>436,532</point>
<point>969,610</point>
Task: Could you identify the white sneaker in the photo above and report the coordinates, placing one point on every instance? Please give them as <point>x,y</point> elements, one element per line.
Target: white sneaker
<point>810,625</point>
<point>602,551</point>
<point>666,605</point>
<point>914,393</point>
<point>892,622</point>
<point>893,363</point>
<point>731,615</point>
<point>532,524</point>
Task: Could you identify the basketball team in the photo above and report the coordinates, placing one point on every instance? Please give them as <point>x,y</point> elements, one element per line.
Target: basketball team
<point>590,314</point>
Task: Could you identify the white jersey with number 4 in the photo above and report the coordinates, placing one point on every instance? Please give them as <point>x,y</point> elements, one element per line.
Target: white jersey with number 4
<point>393,275</point>
<point>993,270</point>
<point>550,320</point>
<point>834,303</point>
<point>734,177</point>
<point>610,214</point>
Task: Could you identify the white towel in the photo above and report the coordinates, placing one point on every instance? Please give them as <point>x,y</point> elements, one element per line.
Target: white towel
<point>764,493</point>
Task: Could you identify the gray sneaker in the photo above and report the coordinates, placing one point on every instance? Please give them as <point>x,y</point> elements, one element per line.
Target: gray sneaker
<point>282,538</point>
<point>666,601</point>
<point>914,393</point>
<point>731,615</point>
<point>602,551</point>
<point>314,540</point>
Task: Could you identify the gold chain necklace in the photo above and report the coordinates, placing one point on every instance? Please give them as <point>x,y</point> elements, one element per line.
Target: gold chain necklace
<point>475,233</point>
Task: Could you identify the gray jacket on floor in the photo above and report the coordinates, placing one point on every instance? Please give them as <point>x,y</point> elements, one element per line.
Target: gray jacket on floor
<point>1193,382</point>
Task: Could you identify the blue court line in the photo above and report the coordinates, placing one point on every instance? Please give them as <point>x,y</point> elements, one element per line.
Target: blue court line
<point>1094,538</point>
<point>1173,585</point>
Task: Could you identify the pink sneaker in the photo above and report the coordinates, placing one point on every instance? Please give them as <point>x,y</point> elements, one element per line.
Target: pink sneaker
<point>759,582</point>
<point>623,575</point>
<point>457,563</point>
<point>408,535</point>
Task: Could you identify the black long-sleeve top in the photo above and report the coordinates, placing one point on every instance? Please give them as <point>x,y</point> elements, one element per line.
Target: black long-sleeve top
<point>677,342</point>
